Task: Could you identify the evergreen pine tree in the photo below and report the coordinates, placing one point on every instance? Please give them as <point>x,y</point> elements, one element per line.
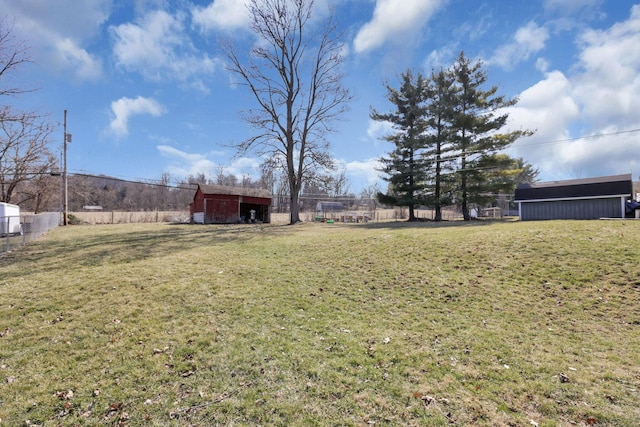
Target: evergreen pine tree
<point>440,95</point>
<point>475,131</point>
<point>405,166</point>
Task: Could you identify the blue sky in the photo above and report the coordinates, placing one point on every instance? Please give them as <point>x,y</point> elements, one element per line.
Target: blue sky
<point>146,89</point>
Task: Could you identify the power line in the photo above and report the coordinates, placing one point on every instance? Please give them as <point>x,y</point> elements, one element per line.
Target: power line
<point>111,178</point>
<point>597,135</point>
<point>457,154</point>
<point>443,159</point>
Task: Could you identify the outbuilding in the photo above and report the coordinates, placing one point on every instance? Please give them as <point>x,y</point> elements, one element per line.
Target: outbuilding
<point>591,198</point>
<point>218,204</point>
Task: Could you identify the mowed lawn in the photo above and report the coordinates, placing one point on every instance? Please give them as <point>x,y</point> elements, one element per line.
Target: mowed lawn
<point>486,324</point>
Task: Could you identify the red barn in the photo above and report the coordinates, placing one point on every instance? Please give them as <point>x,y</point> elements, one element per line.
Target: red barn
<point>217,204</point>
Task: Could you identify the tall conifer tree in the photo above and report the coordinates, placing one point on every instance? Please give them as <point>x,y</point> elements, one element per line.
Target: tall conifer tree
<point>476,124</point>
<point>405,166</point>
<point>440,95</point>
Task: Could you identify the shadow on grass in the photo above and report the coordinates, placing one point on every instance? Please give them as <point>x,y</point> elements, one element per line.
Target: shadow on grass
<point>115,245</point>
<point>434,224</point>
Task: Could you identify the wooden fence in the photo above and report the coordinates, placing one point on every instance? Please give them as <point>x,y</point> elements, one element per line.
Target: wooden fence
<point>379,215</point>
<point>128,217</point>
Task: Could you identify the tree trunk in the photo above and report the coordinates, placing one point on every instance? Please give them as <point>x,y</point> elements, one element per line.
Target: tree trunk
<point>465,207</point>
<point>294,200</point>
<point>295,210</point>
<point>412,214</point>
<point>463,178</point>
<point>438,216</point>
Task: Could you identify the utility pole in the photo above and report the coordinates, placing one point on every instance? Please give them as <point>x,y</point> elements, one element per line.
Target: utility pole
<point>67,138</point>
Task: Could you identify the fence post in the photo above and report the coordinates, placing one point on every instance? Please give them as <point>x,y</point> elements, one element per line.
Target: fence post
<point>6,229</point>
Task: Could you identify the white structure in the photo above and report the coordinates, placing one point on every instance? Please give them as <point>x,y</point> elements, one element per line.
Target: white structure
<point>10,219</point>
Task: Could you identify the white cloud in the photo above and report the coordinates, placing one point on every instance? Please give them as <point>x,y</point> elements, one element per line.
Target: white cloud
<point>542,65</point>
<point>365,173</point>
<point>244,166</point>
<point>582,119</point>
<point>548,108</point>
<point>569,6</point>
<point>610,154</point>
<point>72,57</point>
<point>609,85</point>
<point>56,37</point>
<point>234,14</point>
<point>125,108</point>
<point>191,164</point>
<point>221,14</point>
<point>158,48</point>
<point>186,164</point>
<point>527,41</point>
<point>393,19</point>
<point>442,57</point>
<point>378,130</point>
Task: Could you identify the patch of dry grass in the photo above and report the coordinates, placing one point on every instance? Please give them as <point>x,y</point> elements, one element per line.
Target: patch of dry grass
<point>386,324</point>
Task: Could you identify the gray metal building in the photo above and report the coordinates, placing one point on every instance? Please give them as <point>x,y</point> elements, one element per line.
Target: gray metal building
<point>591,198</point>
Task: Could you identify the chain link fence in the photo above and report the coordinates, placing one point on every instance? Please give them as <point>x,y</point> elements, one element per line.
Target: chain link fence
<point>31,227</point>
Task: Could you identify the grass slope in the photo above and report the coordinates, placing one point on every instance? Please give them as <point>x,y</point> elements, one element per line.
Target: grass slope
<point>501,324</point>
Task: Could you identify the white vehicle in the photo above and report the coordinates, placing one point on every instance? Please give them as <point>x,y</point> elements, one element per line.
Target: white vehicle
<point>10,220</point>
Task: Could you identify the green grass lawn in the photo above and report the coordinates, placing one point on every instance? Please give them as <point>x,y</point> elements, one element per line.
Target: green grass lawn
<point>489,323</point>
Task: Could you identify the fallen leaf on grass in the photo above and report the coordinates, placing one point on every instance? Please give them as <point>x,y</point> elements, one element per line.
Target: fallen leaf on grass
<point>115,406</point>
<point>424,397</point>
<point>114,409</point>
<point>64,395</point>
<point>427,400</point>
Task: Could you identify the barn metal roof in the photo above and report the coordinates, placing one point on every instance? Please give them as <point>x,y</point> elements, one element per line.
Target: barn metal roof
<point>236,191</point>
<point>615,185</point>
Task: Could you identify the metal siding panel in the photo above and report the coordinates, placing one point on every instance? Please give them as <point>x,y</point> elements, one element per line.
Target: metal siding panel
<point>572,209</point>
<point>587,210</point>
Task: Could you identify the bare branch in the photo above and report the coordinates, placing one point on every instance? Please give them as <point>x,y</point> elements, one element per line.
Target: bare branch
<point>13,53</point>
<point>294,76</point>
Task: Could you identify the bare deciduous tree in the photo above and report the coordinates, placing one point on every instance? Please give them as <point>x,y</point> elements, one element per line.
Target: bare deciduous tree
<point>13,53</point>
<point>293,72</point>
<point>42,193</point>
<point>24,152</point>
<point>24,136</point>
